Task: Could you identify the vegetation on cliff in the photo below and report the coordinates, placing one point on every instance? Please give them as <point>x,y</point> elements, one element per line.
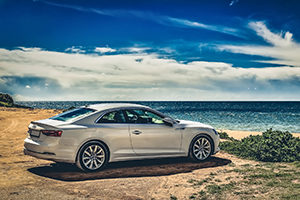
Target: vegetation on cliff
<point>7,101</point>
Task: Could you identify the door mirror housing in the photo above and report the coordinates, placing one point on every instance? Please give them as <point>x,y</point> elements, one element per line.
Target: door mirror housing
<point>168,121</point>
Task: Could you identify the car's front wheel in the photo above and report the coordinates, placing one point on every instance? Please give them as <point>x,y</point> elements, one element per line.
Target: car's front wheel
<point>92,157</point>
<point>200,148</point>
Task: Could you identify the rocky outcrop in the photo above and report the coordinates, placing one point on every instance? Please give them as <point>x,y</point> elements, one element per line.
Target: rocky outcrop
<point>7,101</point>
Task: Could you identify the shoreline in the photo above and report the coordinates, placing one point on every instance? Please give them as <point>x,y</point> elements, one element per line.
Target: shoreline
<point>239,134</point>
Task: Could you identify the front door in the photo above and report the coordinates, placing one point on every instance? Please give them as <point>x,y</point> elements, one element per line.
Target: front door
<point>150,136</point>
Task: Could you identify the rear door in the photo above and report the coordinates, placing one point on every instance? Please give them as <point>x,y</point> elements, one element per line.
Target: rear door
<point>150,136</point>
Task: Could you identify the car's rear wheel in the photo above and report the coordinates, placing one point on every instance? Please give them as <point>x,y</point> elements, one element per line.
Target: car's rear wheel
<point>92,156</point>
<point>200,148</point>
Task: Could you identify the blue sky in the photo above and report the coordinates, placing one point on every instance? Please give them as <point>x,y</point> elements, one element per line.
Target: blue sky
<point>150,50</point>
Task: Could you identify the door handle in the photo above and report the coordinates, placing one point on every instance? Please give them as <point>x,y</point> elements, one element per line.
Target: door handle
<point>136,132</point>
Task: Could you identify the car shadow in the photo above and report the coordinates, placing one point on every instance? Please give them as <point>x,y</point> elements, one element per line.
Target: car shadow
<point>140,168</point>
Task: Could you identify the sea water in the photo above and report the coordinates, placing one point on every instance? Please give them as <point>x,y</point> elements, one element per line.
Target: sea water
<point>250,116</point>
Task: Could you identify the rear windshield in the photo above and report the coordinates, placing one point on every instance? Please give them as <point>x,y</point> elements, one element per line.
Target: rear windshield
<point>72,114</point>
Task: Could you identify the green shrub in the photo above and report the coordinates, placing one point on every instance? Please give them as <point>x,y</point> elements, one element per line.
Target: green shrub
<point>271,146</point>
<point>224,135</point>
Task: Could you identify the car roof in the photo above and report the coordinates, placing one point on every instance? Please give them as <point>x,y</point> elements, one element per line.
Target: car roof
<point>106,106</point>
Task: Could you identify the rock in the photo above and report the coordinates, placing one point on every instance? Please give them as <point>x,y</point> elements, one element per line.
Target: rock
<point>6,100</point>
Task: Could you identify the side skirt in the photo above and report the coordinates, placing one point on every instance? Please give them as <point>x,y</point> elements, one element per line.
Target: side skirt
<point>149,157</point>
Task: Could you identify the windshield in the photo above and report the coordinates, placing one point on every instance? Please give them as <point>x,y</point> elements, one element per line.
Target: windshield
<point>72,114</point>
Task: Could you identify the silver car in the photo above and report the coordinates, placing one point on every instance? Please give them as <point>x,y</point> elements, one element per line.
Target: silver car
<point>94,135</point>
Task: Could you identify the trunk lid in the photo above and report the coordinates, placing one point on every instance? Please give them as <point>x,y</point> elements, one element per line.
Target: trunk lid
<point>35,128</point>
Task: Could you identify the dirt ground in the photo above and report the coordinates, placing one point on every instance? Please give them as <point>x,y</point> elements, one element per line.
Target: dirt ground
<point>24,177</point>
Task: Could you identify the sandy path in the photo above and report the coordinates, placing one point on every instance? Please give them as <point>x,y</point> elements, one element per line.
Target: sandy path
<point>24,177</point>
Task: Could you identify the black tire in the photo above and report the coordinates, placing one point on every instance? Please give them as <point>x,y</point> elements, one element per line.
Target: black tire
<point>97,159</point>
<point>204,151</point>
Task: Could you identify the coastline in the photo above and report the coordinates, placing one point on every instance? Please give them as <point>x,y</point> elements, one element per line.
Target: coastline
<point>239,134</point>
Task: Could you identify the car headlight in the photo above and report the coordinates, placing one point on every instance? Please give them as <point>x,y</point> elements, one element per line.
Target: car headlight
<point>216,132</point>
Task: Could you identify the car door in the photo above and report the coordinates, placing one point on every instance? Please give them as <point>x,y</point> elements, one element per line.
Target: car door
<point>112,126</point>
<point>150,136</point>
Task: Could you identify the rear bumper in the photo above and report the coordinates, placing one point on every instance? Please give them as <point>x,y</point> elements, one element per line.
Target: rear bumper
<point>43,151</point>
<point>45,155</point>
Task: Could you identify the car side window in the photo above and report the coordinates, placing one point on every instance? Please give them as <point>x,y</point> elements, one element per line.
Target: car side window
<point>113,117</point>
<point>138,116</point>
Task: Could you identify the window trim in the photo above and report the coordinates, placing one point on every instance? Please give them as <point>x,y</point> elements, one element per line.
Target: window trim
<point>144,109</point>
<point>125,115</point>
<point>74,119</point>
<point>109,111</point>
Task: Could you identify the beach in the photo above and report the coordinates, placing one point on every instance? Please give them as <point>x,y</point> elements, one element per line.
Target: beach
<point>241,134</point>
<point>24,177</point>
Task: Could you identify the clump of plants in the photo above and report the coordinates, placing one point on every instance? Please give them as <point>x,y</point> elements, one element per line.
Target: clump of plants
<point>271,146</point>
<point>224,135</point>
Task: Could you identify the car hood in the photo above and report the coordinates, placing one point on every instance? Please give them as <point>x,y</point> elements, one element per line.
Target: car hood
<point>193,124</point>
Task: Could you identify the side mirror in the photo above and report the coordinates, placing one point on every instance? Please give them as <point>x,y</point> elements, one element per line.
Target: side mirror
<point>168,121</point>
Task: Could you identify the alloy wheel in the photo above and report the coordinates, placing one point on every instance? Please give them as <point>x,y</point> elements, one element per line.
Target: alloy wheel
<point>93,157</point>
<point>201,148</point>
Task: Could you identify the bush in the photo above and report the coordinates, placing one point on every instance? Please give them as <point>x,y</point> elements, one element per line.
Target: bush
<point>271,146</point>
<point>6,100</point>
<point>224,135</point>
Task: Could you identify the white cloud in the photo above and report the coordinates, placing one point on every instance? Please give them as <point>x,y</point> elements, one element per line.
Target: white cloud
<point>194,24</point>
<point>29,49</point>
<point>74,7</point>
<point>74,49</point>
<point>280,40</point>
<point>233,2</point>
<point>142,76</point>
<point>104,50</point>
<point>136,49</point>
<point>167,50</point>
<point>282,48</point>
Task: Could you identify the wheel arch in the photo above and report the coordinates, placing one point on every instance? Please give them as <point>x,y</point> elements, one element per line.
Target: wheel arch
<point>91,141</point>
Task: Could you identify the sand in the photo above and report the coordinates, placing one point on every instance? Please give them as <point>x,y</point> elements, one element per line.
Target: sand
<point>24,177</point>
<point>241,134</point>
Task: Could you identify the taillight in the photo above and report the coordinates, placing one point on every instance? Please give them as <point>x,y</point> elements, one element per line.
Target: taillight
<point>54,133</point>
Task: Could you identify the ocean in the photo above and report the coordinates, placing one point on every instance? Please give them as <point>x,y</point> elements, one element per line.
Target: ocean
<point>249,116</point>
